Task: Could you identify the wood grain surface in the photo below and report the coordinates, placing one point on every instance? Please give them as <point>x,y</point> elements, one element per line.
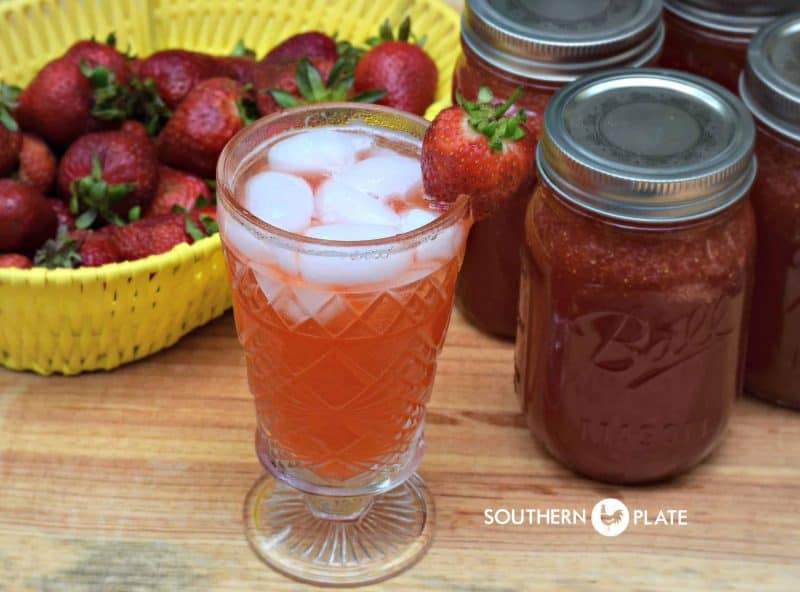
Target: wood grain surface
<point>134,481</point>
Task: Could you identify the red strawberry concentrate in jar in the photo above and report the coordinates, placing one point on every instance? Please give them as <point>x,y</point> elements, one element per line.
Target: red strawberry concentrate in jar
<point>710,37</point>
<point>538,45</point>
<point>770,86</point>
<point>637,273</point>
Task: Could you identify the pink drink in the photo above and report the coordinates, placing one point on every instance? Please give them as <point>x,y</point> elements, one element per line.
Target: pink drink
<point>341,346</point>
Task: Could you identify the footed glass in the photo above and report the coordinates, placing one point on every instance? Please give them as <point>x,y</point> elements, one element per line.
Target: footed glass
<point>340,371</point>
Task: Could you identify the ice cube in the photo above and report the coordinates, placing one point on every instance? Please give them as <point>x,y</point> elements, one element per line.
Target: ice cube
<point>318,150</point>
<point>338,203</point>
<point>441,246</point>
<point>240,239</point>
<point>279,199</point>
<point>384,176</point>
<point>297,303</point>
<point>359,269</point>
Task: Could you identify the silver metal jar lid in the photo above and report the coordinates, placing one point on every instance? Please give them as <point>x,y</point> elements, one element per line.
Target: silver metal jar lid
<point>560,40</point>
<point>649,145</point>
<point>770,83</point>
<point>735,16</point>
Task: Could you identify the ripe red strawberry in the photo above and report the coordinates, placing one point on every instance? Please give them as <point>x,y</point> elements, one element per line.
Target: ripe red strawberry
<point>149,236</point>
<point>200,127</point>
<point>311,44</point>
<point>280,86</point>
<point>81,91</point>
<point>10,136</point>
<point>176,188</point>
<point>104,55</point>
<point>240,65</point>
<point>37,164</point>
<point>65,219</point>
<point>107,174</point>
<point>78,248</point>
<point>474,149</point>
<point>26,219</point>
<point>15,260</point>
<point>176,72</point>
<point>402,68</point>
<point>98,249</point>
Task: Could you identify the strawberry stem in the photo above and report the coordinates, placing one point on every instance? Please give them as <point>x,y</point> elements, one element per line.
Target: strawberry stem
<point>144,104</point>
<point>491,120</point>
<point>110,99</point>
<point>312,89</point>
<point>404,33</point>
<point>8,102</point>
<point>92,197</point>
<point>240,50</point>
<point>61,251</point>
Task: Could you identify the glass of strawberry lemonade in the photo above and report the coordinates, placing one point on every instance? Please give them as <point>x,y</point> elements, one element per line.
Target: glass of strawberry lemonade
<point>343,277</point>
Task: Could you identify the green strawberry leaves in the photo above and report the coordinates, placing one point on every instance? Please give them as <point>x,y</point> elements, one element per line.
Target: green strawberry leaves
<point>312,89</point>
<point>491,120</point>
<point>404,33</point>
<point>349,54</point>
<point>240,50</point>
<point>8,102</point>
<point>61,251</point>
<point>110,98</point>
<point>144,104</point>
<point>91,197</point>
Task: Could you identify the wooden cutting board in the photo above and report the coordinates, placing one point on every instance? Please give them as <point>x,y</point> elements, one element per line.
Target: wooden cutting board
<point>134,481</point>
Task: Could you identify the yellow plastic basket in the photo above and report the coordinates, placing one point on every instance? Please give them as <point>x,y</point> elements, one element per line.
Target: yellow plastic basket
<point>72,321</point>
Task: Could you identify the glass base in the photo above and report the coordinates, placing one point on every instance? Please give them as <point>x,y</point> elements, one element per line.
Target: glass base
<point>345,541</point>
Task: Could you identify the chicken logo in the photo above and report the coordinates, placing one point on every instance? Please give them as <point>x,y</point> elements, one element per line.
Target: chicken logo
<point>610,517</point>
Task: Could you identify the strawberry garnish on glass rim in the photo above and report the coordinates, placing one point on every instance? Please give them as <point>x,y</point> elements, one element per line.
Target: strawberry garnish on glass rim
<point>475,148</point>
<point>312,89</point>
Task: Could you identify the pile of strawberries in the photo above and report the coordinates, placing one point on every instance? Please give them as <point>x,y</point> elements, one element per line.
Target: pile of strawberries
<point>105,157</point>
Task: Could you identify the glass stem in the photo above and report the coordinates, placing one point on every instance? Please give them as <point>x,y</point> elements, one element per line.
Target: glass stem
<point>341,509</point>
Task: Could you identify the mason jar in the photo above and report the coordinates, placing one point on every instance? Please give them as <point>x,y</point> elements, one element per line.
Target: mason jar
<point>770,86</point>
<point>637,273</point>
<point>539,45</point>
<point>710,37</point>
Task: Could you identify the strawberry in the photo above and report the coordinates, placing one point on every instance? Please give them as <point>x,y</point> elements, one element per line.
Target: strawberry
<point>109,174</point>
<point>79,92</point>
<point>98,249</point>
<point>65,219</point>
<point>402,68</point>
<point>15,260</point>
<point>26,219</point>
<point>240,65</point>
<point>10,136</point>
<point>154,235</point>
<point>104,55</point>
<point>176,188</point>
<point>475,149</point>
<point>311,44</point>
<point>200,127</point>
<point>281,86</point>
<point>78,248</point>
<point>176,72</point>
<point>37,164</point>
